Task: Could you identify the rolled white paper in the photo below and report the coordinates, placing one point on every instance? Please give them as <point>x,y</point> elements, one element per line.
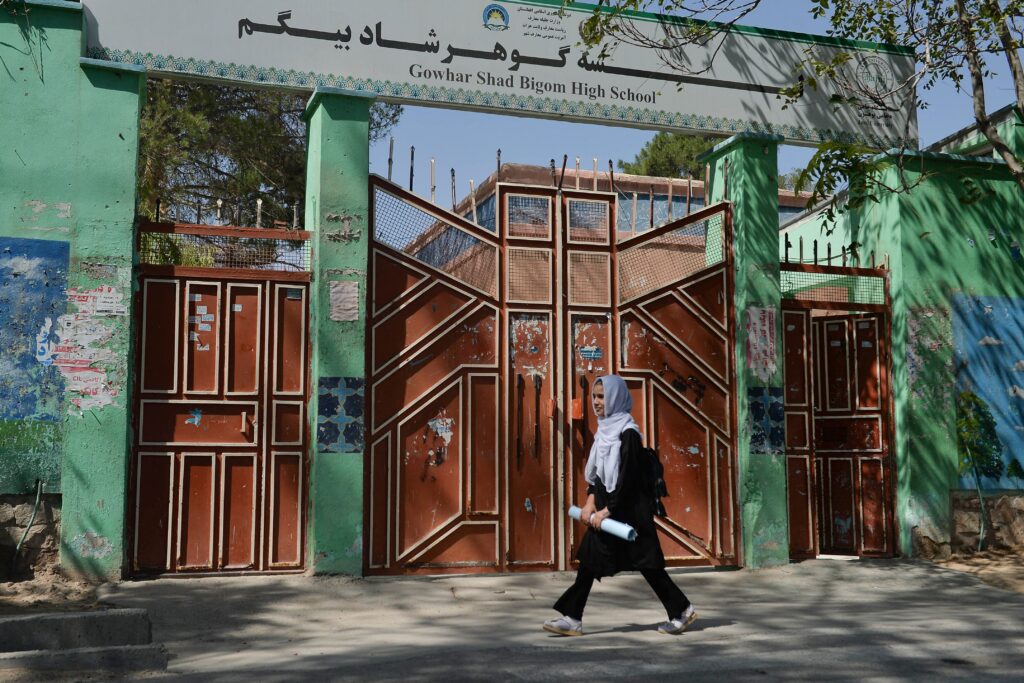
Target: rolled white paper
<point>609,525</point>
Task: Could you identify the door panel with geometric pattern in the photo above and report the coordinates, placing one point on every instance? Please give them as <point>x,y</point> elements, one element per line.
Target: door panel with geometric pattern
<point>484,347</point>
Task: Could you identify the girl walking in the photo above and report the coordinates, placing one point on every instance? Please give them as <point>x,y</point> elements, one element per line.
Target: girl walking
<point>616,489</point>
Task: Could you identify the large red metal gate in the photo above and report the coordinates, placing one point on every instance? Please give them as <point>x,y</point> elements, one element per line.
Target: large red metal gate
<point>218,470</point>
<point>484,345</point>
<point>838,412</point>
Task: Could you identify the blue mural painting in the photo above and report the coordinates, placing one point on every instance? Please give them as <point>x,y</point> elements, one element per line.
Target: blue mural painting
<point>340,424</point>
<point>33,284</point>
<point>988,334</point>
<point>767,420</point>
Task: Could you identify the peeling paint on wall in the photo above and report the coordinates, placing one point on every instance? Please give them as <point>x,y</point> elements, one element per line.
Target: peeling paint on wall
<point>33,279</point>
<point>80,346</point>
<point>340,422</point>
<point>929,339</point>
<point>91,545</point>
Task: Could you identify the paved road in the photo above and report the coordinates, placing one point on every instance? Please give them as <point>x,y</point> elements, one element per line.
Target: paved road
<point>819,620</point>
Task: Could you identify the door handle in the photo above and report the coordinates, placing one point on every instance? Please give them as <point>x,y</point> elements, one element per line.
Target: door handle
<point>242,428</point>
<point>537,382</point>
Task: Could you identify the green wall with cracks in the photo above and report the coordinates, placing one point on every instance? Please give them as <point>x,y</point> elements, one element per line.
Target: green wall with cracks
<point>68,152</point>
<point>337,210</point>
<point>744,170</point>
<point>936,238</point>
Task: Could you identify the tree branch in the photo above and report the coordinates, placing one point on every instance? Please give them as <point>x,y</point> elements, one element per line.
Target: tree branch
<point>974,67</point>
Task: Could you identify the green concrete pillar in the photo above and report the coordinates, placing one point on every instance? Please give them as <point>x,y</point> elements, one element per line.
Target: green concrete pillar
<point>744,170</point>
<point>337,212</point>
<point>68,151</point>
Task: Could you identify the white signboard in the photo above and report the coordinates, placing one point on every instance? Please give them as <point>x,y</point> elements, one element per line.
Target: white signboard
<point>520,58</point>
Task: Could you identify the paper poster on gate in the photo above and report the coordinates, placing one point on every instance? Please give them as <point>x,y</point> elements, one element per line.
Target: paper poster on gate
<point>761,348</point>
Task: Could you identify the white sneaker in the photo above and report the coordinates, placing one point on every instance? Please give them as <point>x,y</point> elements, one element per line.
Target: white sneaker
<point>674,627</point>
<point>564,626</point>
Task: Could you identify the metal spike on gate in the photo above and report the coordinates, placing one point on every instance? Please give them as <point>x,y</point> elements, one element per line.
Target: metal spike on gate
<point>561,179</point>
<point>220,206</point>
<point>433,184</point>
<point>815,252</point>
<point>259,212</point>
<point>636,200</point>
<point>472,199</point>
<point>295,216</point>
<point>689,192</point>
<point>158,209</point>
<point>391,157</point>
<point>788,245</point>
<point>552,173</point>
<point>199,213</point>
<point>412,166</point>
<point>611,176</point>
<point>650,204</point>
<point>497,178</point>
<point>453,190</point>
<point>670,183</point>
<point>577,173</point>
<point>595,174</point>
<point>801,249</point>
<point>828,254</point>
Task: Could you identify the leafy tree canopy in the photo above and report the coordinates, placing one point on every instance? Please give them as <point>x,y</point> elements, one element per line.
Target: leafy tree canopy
<point>670,155</point>
<point>202,143</point>
<point>978,443</point>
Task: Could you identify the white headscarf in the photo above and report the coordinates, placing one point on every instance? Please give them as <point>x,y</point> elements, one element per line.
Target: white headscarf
<point>604,454</point>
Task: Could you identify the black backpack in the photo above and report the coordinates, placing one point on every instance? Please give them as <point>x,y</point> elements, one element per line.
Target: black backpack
<point>654,479</point>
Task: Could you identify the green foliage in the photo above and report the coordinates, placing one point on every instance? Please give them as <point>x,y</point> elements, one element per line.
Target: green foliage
<point>957,41</point>
<point>670,155</point>
<point>200,143</point>
<point>978,445</point>
<point>1015,471</point>
<point>788,181</point>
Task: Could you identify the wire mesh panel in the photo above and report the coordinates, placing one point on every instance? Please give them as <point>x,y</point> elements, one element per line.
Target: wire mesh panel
<point>588,221</point>
<point>833,287</point>
<point>223,251</point>
<point>671,256</point>
<point>589,279</point>
<point>529,275</point>
<point>427,238</point>
<point>529,216</point>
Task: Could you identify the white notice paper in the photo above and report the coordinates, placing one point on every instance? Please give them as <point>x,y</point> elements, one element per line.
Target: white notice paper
<point>344,301</point>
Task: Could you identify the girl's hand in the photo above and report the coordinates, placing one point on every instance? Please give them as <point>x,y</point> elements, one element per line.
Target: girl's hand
<point>587,510</point>
<point>599,517</point>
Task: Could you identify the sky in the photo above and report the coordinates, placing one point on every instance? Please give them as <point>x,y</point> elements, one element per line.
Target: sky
<point>468,141</point>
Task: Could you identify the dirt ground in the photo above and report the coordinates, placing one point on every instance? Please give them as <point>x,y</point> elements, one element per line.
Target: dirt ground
<point>47,592</point>
<point>1000,568</point>
<point>52,592</point>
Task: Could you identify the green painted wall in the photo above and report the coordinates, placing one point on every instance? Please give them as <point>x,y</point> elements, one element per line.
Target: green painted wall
<point>68,151</point>
<point>937,239</point>
<point>744,170</point>
<point>337,210</point>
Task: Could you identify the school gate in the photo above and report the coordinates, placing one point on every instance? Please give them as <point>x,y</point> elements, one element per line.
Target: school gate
<point>482,350</point>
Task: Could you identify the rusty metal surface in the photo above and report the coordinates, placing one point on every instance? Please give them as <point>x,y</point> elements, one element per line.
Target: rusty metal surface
<point>840,475</point>
<point>218,468</point>
<point>479,404</point>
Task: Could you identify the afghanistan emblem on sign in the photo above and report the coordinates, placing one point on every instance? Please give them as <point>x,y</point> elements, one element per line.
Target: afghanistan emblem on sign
<point>496,18</point>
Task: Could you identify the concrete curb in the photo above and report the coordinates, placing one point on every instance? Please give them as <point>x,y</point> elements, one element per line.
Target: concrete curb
<point>75,630</point>
<point>119,658</point>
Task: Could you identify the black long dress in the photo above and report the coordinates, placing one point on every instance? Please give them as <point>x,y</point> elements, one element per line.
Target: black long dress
<point>606,555</point>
